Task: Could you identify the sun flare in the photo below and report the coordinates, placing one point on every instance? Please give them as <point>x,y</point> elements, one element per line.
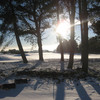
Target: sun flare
<point>63,27</point>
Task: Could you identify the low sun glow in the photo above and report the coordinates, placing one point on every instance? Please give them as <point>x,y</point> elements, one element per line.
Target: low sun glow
<point>63,27</point>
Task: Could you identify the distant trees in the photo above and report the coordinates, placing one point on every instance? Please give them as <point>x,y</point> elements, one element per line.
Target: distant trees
<point>11,51</point>
<point>94,45</point>
<point>67,45</point>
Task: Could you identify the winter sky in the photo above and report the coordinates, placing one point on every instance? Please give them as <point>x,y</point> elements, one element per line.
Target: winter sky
<point>49,41</point>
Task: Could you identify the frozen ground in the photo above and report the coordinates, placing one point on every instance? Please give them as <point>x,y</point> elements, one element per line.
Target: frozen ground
<point>46,89</point>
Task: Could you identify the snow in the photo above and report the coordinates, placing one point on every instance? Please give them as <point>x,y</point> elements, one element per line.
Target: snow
<point>34,56</point>
<point>43,88</point>
<point>40,89</point>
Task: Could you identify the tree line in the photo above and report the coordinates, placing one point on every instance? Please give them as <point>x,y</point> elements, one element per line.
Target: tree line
<point>93,46</point>
<point>30,18</point>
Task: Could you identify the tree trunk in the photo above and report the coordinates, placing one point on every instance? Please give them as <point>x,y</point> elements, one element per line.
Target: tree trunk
<point>39,40</point>
<point>80,16</point>
<point>72,17</point>
<point>61,50</point>
<point>19,44</point>
<point>40,47</point>
<point>85,36</point>
<point>60,38</point>
<point>17,36</point>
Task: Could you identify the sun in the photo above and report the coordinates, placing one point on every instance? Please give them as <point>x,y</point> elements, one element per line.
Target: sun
<point>63,27</point>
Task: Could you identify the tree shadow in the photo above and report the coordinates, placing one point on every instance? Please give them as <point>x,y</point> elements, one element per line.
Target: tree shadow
<point>81,91</point>
<point>33,67</point>
<point>18,65</point>
<point>60,92</point>
<point>12,92</point>
<point>36,65</point>
<point>62,66</point>
<point>38,84</point>
<point>95,86</point>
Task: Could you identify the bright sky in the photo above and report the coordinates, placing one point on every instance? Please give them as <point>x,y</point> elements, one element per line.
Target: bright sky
<point>50,42</point>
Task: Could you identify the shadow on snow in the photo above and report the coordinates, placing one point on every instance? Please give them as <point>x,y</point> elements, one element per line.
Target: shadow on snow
<point>12,92</point>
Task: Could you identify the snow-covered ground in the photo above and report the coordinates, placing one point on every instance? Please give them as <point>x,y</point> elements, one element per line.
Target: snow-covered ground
<point>41,89</point>
<point>34,56</point>
<point>47,89</point>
